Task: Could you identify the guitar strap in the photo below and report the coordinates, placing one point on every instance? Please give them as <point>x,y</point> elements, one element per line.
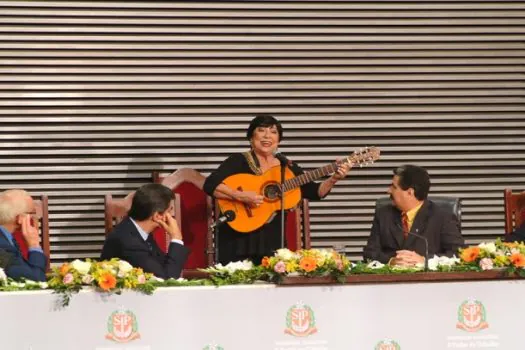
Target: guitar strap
<point>253,162</point>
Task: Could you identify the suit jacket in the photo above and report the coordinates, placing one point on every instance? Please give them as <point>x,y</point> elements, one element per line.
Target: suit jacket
<point>126,243</point>
<point>439,227</point>
<point>16,267</point>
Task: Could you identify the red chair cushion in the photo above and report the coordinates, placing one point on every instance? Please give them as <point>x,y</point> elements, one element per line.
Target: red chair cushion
<point>159,235</point>
<point>194,213</point>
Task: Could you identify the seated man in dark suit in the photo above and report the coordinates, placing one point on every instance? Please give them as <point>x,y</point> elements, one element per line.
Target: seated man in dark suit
<point>131,239</point>
<point>390,240</point>
<point>16,207</point>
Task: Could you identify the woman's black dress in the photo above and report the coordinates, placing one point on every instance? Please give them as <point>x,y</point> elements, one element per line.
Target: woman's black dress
<point>234,246</point>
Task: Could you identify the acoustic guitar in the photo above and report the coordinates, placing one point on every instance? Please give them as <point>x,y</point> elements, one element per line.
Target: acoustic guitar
<point>248,219</point>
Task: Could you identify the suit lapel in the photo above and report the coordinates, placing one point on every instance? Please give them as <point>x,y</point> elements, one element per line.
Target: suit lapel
<point>419,224</point>
<point>132,229</point>
<point>397,230</point>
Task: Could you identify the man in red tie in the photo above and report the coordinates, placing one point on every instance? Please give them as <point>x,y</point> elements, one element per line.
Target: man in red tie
<point>401,230</point>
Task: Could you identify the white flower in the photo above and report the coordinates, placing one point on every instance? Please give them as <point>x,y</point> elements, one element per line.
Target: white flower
<point>245,265</point>
<point>17,284</point>
<point>486,264</point>
<point>124,267</point>
<point>514,251</point>
<point>3,276</point>
<point>42,285</point>
<point>375,265</point>
<point>284,254</point>
<point>326,253</point>
<point>82,267</point>
<point>488,247</point>
<point>87,279</point>
<point>437,261</point>
<point>156,279</point>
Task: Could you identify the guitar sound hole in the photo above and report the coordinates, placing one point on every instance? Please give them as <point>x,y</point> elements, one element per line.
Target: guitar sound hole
<point>272,192</point>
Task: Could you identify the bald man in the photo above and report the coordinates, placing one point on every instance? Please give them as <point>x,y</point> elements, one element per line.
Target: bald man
<point>16,207</point>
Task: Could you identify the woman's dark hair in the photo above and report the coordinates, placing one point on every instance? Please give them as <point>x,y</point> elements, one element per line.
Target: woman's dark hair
<point>150,199</point>
<point>413,176</point>
<point>264,121</point>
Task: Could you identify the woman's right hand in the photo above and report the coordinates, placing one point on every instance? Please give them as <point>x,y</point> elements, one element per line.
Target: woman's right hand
<point>251,198</point>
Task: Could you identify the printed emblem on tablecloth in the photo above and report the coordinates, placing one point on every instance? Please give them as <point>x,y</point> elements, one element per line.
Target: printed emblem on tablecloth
<point>472,316</point>
<point>213,347</point>
<point>387,345</point>
<point>122,326</point>
<point>300,321</point>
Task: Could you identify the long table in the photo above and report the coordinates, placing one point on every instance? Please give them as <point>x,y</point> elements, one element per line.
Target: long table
<point>410,314</point>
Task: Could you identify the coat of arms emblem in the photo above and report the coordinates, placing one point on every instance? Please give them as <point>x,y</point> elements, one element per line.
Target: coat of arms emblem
<point>387,345</point>
<point>472,316</point>
<point>122,326</point>
<point>300,321</point>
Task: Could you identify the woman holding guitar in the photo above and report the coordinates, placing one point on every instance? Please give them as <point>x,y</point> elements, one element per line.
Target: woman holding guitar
<point>241,183</point>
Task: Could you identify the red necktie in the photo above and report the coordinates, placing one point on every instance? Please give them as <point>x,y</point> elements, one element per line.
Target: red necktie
<point>404,222</point>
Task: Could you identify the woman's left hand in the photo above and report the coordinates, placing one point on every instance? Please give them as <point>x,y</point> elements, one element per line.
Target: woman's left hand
<point>342,169</point>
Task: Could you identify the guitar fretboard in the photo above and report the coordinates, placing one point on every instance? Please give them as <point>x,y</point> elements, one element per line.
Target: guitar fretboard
<point>309,176</point>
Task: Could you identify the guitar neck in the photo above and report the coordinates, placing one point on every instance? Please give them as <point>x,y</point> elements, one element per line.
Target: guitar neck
<point>309,176</point>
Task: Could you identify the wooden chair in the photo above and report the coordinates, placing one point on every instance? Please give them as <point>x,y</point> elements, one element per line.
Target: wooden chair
<point>197,212</point>
<point>514,210</point>
<point>116,209</point>
<point>42,215</point>
<point>298,227</point>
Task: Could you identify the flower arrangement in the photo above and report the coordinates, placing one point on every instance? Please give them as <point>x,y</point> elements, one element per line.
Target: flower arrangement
<point>110,276</point>
<point>9,285</point>
<point>309,263</point>
<point>238,272</point>
<point>509,257</point>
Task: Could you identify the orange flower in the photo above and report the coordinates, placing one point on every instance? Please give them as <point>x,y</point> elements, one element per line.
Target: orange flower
<point>470,254</point>
<point>64,269</point>
<point>107,281</point>
<point>308,264</point>
<point>265,262</point>
<point>517,260</point>
<point>511,244</point>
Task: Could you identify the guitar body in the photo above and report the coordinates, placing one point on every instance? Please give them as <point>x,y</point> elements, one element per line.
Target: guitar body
<point>248,219</point>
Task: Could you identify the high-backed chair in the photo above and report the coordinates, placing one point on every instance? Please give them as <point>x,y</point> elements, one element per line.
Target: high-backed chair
<point>514,210</point>
<point>199,211</point>
<point>42,215</point>
<point>452,204</point>
<point>298,227</point>
<point>197,215</point>
<point>116,209</point>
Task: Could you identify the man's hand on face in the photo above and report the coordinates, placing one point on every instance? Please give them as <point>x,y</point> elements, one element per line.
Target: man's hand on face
<point>169,224</point>
<point>30,232</point>
<point>407,258</point>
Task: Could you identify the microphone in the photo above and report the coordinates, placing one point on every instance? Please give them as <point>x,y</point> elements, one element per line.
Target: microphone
<point>229,215</point>
<point>420,237</point>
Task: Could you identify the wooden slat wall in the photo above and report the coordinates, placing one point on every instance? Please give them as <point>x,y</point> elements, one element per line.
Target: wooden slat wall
<point>96,95</point>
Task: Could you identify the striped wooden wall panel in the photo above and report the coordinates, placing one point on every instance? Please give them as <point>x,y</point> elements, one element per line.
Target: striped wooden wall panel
<point>94,96</point>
